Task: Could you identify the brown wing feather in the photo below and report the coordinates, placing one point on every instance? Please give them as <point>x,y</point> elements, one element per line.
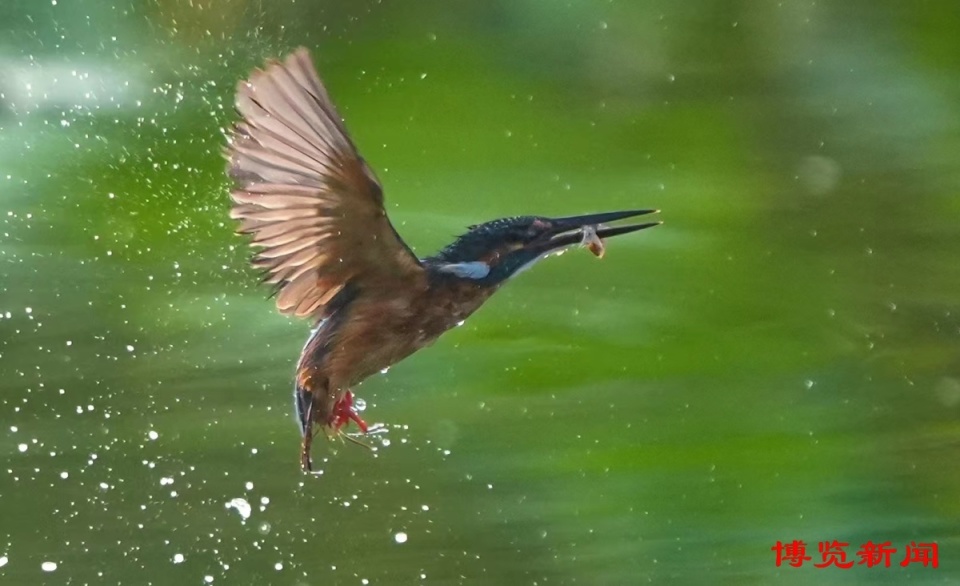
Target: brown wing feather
<point>309,200</point>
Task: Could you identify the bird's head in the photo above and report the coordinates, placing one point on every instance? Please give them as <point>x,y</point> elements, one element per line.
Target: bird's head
<point>492,252</point>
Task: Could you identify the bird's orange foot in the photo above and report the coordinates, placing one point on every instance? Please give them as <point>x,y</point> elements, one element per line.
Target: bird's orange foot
<point>343,413</point>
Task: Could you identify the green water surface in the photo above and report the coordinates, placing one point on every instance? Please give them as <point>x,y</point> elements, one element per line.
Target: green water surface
<point>778,361</point>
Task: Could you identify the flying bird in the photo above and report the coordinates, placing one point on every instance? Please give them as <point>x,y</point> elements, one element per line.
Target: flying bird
<point>314,210</point>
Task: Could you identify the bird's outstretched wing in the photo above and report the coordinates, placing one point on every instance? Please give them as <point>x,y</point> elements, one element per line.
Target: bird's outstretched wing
<point>306,196</point>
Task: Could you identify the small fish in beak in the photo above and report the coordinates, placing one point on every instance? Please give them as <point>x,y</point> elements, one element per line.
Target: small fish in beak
<point>592,242</point>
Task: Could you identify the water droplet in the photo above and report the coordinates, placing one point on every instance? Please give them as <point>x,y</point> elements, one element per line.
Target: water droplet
<point>400,537</point>
<point>178,558</point>
<point>153,435</point>
<point>359,405</point>
<point>242,507</point>
<point>48,566</point>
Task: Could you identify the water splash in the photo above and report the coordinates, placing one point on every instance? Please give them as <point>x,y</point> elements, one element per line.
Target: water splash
<point>241,505</point>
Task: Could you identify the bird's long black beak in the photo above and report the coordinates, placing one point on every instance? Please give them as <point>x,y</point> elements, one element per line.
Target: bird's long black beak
<point>570,230</point>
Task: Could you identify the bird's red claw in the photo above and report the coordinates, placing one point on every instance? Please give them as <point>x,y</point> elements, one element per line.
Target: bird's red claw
<point>343,413</point>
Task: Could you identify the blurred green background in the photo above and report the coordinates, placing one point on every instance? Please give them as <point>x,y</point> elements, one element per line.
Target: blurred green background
<point>779,361</point>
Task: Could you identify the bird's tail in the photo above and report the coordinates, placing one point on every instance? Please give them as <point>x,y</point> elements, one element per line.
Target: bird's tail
<point>303,401</point>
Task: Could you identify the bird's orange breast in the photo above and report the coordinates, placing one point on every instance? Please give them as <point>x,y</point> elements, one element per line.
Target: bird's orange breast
<point>382,329</point>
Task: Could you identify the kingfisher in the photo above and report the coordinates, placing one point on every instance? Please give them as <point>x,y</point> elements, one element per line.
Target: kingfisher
<point>314,210</point>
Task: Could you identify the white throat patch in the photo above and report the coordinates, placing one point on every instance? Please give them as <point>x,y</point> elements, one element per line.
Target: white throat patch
<point>467,270</point>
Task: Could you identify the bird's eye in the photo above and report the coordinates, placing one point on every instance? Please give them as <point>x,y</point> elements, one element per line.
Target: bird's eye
<point>534,230</point>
